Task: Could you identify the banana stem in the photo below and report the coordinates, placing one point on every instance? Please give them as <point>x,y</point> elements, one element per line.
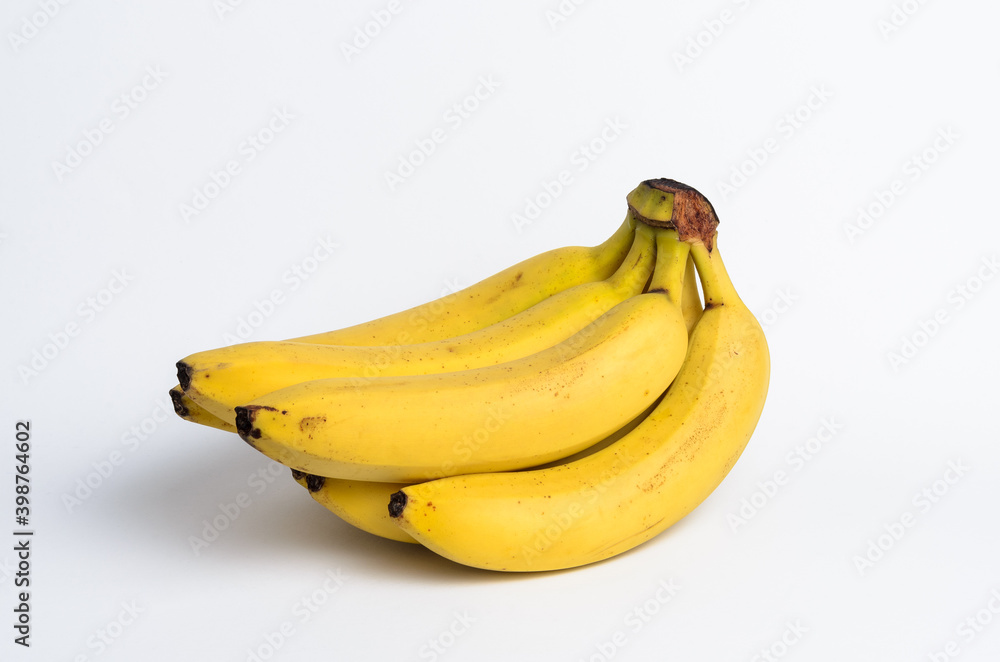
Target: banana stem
<point>613,248</point>
<point>641,244</point>
<point>715,282</point>
<point>671,263</point>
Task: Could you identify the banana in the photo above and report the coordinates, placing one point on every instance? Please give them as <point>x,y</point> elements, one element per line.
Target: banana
<point>513,415</point>
<point>491,300</point>
<point>190,410</point>
<point>691,306</point>
<point>357,502</point>
<point>220,379</point>
<point>619,497</point>
<point>363,503</point>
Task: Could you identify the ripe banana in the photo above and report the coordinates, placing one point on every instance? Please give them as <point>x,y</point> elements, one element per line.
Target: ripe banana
<point>438,410</point>
<point>357,502</point>
<point>491,300</point>
<point>619,497</point>
<point>220,379</point>
<point>190,410</point>
<point>363,503</point>
<point>513,415</point>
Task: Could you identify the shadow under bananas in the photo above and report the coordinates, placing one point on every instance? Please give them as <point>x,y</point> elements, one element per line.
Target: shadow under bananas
<point>206,500</point>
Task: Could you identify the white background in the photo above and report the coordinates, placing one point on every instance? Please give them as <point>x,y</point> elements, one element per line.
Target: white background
<point>789,116</point>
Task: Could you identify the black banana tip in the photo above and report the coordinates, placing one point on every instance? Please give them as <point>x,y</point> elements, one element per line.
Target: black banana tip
<point>396,503</point>
<point>184,375</point>
<point>311,482</point>
<point>178,399</point>
<point>244,424</point>
<point>314,483</point>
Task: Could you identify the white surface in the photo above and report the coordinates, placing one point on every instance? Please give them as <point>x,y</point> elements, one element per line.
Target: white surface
<point>834,309</point>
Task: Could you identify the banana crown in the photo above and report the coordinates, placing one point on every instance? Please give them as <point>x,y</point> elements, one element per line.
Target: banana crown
<point>667,203</point>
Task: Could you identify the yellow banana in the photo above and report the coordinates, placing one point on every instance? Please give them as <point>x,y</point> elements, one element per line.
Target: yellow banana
<point>363,503</point>
<point>513,415</point>
<point>358,502</point>
<point>619,497</point>
<point>491,300</point>
<point>691,306</point>
<point>220,379</point>
<point>190,410</point>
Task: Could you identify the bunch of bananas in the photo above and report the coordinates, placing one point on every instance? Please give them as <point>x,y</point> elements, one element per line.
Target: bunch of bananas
<point>557,413</point>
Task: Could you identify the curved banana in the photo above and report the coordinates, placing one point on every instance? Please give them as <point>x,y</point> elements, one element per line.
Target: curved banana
<point>691,307</point>
<point>358,502</point>
<point>492,299</point>
<point>190,410</point>
<point>362,503</point>
<point>221,379</point>
<point>613,500</point>
<point>513,415</point>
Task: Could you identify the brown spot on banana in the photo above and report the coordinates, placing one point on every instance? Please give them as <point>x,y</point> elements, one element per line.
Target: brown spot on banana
<point>309,423</point>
